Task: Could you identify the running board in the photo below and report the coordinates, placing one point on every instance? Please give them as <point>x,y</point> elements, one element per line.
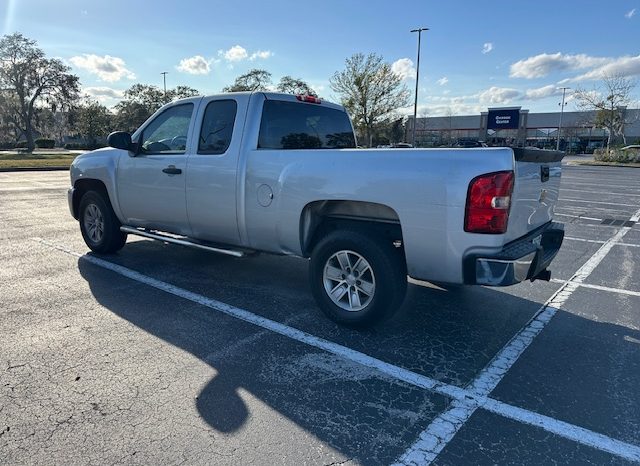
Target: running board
<point>182,242</point>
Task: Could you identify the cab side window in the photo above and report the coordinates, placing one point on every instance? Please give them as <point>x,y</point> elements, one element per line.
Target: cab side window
<point>167,134</point>
<point>217,127</point>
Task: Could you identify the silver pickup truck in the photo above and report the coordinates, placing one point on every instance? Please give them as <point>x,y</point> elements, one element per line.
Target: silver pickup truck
<point>248,172</point>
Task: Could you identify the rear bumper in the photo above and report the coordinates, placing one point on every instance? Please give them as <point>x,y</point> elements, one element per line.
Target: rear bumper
<point>524,259</point>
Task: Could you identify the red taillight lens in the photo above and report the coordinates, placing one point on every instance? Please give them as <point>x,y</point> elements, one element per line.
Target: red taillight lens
<point>309,99</point>
<point>488,202</point>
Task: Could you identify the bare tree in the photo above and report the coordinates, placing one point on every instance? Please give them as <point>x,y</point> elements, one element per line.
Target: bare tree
<point>609,102</point>
<point>370,91</point>
<point>254,80</point>
<point>295,86</point>
<point>28,78</point>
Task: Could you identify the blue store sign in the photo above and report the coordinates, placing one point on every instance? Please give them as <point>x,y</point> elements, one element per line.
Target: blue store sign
<point>503,119</point>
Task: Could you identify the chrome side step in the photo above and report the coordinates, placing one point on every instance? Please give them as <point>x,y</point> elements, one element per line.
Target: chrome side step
<point>183,242</point>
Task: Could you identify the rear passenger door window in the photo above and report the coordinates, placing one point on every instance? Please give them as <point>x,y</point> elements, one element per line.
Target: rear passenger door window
<point>294,125</point>
<point>217,127</point>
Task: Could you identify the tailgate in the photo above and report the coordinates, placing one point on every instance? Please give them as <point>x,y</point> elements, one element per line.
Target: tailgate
<point>535,190</point>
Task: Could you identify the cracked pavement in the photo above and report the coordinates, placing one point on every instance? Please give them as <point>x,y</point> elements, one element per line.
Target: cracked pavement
<point>97,368</point>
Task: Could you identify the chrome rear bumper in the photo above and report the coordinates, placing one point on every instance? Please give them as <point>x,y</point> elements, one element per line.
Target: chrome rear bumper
<point>523,259</point>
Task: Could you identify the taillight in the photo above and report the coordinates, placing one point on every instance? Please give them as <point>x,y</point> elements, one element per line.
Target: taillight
<point>488,202</point>
<point>309,99</point>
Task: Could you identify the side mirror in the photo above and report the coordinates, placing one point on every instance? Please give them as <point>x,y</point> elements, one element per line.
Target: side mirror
<point>120,140</point>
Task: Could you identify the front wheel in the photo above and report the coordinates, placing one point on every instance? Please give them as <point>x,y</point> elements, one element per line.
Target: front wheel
<point>99,225</point>
<point>358,280</point>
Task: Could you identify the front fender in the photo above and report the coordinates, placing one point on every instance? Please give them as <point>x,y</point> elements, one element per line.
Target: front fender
<point>101,165</point>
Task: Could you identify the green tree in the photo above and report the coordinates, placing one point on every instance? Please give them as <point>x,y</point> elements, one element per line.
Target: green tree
<point>295,86</point>
<point>609,103</point>
<point>370,91</point>
<point>254,80</point>
<point>142,100</point>
<point>29,79</point>
<point>93,122</point>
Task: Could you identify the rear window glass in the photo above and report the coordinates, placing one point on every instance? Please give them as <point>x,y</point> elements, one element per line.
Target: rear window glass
<point>292,125</point>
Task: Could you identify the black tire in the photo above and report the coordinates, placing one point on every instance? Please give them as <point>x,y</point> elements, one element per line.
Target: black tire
<point>99,225</point>
<point>386,270</point>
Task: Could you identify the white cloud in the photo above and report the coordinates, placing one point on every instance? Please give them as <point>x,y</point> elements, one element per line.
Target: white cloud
<point>238,53</point>
<point>623,66</point>
<point>235,53</point>
<point>541,92</point>
<point>107,68</point>
<point>630,14</point>
<point>261,54</point>
<point>487,47</point>
<point>443,81</point>
<point>403,68</point>
<point>194,65</point>
<point>498,95</point>
<point>541,65</point>
<point>103,92</point>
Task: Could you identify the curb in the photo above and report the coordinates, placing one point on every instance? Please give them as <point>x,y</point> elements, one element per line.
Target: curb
<point>33,169</point>
<point>604,164</point>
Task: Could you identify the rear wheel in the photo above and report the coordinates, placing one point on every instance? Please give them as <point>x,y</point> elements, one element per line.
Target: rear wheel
<point>99,225</point>
<point>357,280</point>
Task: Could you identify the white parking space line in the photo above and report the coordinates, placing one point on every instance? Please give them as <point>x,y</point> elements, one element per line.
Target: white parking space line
<point>565,430</point>
<point>608,193</point>
<point>584,240</point>
<point>596,202</point>
<point>601,288</point>
<point>579,216</point>
<point>631,187</point>
<point>444,427</point>
<point>463,399</point>
<point>598,241</point>
<point>19,190</point>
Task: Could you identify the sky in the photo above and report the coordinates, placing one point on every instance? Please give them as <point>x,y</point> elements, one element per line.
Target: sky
<point>475,55</point>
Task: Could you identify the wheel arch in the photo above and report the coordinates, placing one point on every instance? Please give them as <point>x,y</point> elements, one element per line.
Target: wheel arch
<point>84,185</point>
<point>320,217</point>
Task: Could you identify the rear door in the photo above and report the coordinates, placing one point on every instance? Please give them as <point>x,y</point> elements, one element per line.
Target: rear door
<point>212,169</point>
<point>535,192</point>
<point>151,185</point>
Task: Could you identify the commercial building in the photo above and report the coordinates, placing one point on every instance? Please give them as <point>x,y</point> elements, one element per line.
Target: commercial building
<point>515,126</point>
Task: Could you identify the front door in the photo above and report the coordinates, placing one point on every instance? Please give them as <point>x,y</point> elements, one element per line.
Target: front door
<point>151,185</point>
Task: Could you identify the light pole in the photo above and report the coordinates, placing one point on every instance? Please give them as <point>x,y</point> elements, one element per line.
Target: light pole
<point>164,80</point>
<point>564,90</point>
<point>415,102</point>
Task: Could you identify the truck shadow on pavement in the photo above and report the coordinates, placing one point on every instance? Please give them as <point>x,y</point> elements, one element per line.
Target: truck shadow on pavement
<point>449,336</point>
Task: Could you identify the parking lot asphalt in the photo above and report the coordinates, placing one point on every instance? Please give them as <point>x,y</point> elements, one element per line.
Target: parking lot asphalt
<point>162,354</point>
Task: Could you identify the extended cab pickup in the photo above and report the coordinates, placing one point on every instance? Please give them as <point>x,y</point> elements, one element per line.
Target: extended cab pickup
<point>246,172</point>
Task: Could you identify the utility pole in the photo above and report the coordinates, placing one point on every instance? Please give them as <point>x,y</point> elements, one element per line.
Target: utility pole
<point>564,90</point>
<point>415,102</point>
<point>164,80</point>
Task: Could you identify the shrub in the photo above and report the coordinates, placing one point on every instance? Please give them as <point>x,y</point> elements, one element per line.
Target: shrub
<point>7,145</point>
<point>44,143</point>
<point>21,145</point>
<point>616,155</point>
<point>83,146</point>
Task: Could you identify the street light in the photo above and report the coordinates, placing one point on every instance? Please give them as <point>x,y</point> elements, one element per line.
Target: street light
<point>164,80</point>
<point>564,90</point>
<point>415,103</point>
